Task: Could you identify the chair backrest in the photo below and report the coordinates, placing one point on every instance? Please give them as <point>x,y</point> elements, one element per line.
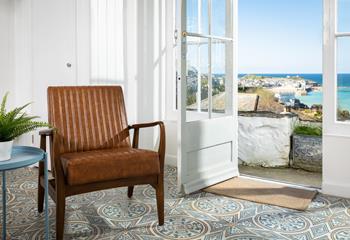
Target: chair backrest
<point>87,118</point>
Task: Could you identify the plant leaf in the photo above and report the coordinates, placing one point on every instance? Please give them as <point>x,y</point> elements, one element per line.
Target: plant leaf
<point>15,122</point>
<point>3,104</point>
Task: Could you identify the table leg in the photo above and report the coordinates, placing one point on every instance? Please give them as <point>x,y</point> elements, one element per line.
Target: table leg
<point>4,204</point>
<point>47,233</point>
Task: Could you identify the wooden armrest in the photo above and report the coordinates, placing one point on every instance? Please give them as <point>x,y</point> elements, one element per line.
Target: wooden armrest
<point>161,149</point>
<point>56,167</point>
<point>43,134</point>
<point>46,132</point>
<point>145,125</point>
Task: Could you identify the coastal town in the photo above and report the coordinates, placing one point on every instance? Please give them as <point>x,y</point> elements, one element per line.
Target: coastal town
<point>283,94</point>
<point>285,89</point>
<point>276,94</point>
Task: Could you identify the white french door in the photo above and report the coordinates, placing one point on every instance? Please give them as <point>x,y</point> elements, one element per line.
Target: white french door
<point>207,126</point>
<point>336,121</point>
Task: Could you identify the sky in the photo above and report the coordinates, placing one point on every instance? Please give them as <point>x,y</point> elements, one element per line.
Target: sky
<point>275,36</point>
<point>280,36</point>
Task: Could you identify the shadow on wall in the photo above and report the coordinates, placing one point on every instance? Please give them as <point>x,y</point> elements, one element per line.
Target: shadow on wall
<point>151,71</point>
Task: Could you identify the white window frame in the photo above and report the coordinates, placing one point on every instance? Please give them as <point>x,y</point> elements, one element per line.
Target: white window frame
<point>332,127</point>
<point>172,40</point>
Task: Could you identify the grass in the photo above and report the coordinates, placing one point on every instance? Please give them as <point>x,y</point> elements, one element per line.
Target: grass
<point>267,101</point>
<point>308,130</point>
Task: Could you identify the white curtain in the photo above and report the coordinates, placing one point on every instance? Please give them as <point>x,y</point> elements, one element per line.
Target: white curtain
<point>107,44</point>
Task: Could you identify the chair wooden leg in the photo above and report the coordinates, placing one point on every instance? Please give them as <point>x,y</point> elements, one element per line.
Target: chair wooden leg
<point>60,212</point>
<point>130,191</point>
<point>41,190</point>
<point>160,201</point>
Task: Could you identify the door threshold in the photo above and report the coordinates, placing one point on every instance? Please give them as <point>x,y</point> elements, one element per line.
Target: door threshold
<point>289,184</point>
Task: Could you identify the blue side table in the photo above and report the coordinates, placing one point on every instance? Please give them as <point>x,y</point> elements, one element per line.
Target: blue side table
<point>23,157</point>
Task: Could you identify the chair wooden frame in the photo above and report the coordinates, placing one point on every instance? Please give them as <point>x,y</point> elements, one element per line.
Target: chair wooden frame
<point>59,189</point>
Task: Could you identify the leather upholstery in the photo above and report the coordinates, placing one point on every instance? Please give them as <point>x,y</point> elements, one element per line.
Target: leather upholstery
<point>109,164</point>
<point>88,118</point>
<point>91,125</point>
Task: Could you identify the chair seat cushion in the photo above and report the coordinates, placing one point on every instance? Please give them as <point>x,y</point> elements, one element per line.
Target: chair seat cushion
<point>109,164</point>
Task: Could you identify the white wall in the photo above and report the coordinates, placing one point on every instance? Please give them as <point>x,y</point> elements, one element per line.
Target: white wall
<point>156,71</point>
<point>39,37</point>
<point>7,49</point>
<point>149,55</point>
<point>171,140</point>
<point>264,139</point>
<point>53,46</point>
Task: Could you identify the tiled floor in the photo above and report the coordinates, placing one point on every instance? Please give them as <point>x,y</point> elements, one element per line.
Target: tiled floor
<point>111,215</point>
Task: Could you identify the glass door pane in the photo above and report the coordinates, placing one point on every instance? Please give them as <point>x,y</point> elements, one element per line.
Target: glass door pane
<point>197,16</point>
<point>343,79</point>
<point>219,77</point>
<point>197,79</point>
<point>192,16</point>
<point>204,17</point>
<point>218,18</point>
<point>208,92</point>
<point>343,16</point>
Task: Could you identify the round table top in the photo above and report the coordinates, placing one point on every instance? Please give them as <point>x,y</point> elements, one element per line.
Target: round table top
<point>22,156</point>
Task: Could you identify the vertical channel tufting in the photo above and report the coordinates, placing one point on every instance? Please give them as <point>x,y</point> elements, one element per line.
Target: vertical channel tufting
<point>79,123</point>
<point>90,118</point>
<point>87,118</point>
<point>103,118</point>
<point>97,117</point>
<point>114,118</point>
<point>67,125</point>
<point>75,135</point>
<point>108,118</point>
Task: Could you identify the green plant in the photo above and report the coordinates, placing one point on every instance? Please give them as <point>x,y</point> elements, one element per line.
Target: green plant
<point>15,122</point>
<point>308,130</point>
<point>343,115</point>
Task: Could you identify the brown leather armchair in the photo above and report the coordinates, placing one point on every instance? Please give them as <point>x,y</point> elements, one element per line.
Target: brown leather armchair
<point>91,150</point>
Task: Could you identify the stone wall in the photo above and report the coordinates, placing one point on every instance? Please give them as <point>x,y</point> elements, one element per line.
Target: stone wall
<point>307,153</point>
<point>264,138</point>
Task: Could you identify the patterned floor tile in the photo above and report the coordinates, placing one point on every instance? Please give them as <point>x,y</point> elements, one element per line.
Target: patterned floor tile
<point>111,215</point>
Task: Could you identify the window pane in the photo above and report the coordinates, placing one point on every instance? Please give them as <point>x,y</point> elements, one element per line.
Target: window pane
<point>197,78</point>
<point>197,16</point>
<point>218,19</point>
<point>218,76</point>
<point>343,15</point>
<point>192,15</point>
<point>204,28</point>
<point>343,79</point>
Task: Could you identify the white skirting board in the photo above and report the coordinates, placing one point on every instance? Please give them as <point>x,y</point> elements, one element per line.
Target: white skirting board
<point>336,189</point>
<point>171,160</point>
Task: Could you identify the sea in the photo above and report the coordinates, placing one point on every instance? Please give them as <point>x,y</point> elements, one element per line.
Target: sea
<point>317,97</point>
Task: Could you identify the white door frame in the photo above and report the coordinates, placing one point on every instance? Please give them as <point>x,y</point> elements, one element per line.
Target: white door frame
<point>336,134</point>
<point>332,126</point>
